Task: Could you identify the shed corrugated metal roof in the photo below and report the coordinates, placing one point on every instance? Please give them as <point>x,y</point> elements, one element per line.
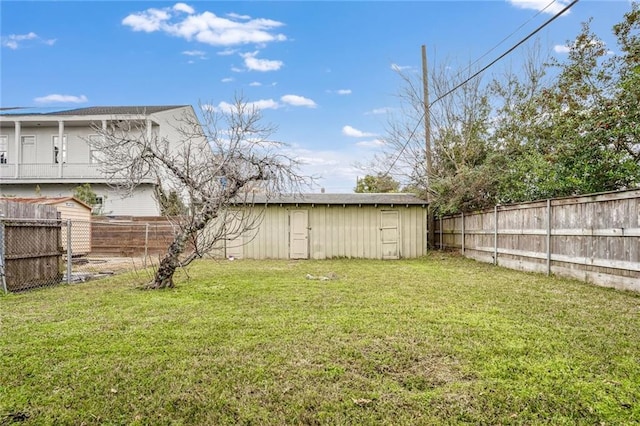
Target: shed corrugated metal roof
<point>351,199</point>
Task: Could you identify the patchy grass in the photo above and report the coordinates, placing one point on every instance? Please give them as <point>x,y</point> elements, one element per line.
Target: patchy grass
<point>439,340</point>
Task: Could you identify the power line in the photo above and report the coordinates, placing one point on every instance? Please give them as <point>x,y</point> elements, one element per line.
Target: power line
<point>537,30</point>
<point>483,69</point>
<point>506,38</point>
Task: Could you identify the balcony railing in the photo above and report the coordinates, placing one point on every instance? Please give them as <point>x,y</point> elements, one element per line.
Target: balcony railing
<point>51,172</point>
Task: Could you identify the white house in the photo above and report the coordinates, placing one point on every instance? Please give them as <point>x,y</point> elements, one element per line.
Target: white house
<point>45,152</point>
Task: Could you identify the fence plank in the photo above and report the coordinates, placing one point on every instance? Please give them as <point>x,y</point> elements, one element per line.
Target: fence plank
<point>595,238</point>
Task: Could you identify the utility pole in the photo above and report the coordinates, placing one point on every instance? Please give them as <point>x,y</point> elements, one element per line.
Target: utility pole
<point>427,116</point>
<point>427,146</point>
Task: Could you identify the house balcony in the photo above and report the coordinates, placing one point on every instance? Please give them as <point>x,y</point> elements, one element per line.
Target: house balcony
<point>54,173</point>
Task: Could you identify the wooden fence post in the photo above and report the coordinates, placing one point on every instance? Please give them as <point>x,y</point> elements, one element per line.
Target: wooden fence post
<point>146,242</point>
<point>69,253</point>
<point>462,215</point>
<point>441,230</point>
<point>2,268</point>
<point>548,237</point>
<point>495,236</point>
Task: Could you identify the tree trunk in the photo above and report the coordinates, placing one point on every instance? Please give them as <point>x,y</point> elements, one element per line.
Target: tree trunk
<point>164,274</point>
<point>170,262</point>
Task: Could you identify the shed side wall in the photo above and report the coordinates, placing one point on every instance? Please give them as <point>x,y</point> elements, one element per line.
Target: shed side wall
<point>338,231</point>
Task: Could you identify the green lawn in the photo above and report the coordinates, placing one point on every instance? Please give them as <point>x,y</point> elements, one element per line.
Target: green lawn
<point>439,340</point>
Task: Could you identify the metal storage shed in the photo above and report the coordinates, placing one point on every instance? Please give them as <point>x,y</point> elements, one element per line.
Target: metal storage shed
<point>320,226</point>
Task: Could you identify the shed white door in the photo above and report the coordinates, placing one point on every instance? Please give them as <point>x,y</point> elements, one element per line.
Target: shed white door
<point>299,234</point>
<point>389,234</point>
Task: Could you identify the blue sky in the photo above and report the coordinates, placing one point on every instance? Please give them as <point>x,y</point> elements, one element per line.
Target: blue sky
<point>323,72</point>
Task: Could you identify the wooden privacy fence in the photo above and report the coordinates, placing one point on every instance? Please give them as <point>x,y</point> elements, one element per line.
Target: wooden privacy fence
<point>30,246</point>
<point>594,238</point>
<point>131,236</point>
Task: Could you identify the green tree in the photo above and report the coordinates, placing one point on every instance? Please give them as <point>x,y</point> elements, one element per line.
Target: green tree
<point>87,195</point>
<point>377,184</point>
<point>170,204</point>
<point>555,128</point>
<point>578,132</point>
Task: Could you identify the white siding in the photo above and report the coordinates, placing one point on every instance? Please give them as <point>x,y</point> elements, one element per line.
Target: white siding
<point>141,203</point>
<point>40,165</point>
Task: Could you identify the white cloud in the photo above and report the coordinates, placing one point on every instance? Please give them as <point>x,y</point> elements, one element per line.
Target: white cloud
<point>64,99</point>
<point>262,104</point>
<point>205,27</point>
<point>263,65</point>
<point>255,84</point>
<point>226,52</point>
<point>148,21</point>
<point>16,41</point>
<point>182,7</point>
<point>296,100</point>
<point>396,67</point>
<point>238,16</point>
<point>379,111</point>
<point>355,133</point>
<point>198,53</point>
<point>374,143</point>
<point>226,107</point>
<point>334,169</point>
<point>561,48</point>
<point>541,5</point>
<point>341,92</point>
<point>265,104</point>
<point>227,80</point>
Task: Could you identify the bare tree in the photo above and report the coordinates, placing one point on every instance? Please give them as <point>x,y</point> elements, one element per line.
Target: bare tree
<point>458,127</point>
<point>215,164</point>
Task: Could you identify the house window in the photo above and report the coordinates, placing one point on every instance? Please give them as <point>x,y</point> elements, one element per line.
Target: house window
<point>4,144</point>
<point>57,149</point>
<point>95,155</point>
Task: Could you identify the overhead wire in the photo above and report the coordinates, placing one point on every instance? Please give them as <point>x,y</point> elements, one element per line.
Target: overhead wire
<point>506,38</point>
<point>483,69</point>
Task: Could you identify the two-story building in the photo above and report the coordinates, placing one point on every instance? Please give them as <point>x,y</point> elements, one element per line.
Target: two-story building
<point>47,152</point>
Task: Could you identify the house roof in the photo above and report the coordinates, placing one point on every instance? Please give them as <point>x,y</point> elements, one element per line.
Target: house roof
<point>95,110</point>
<point>117,110</point>
<point>351,199</point>
<point>45,200</point>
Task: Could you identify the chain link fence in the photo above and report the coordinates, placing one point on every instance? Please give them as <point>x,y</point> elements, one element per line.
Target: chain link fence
<point>38,253</point>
